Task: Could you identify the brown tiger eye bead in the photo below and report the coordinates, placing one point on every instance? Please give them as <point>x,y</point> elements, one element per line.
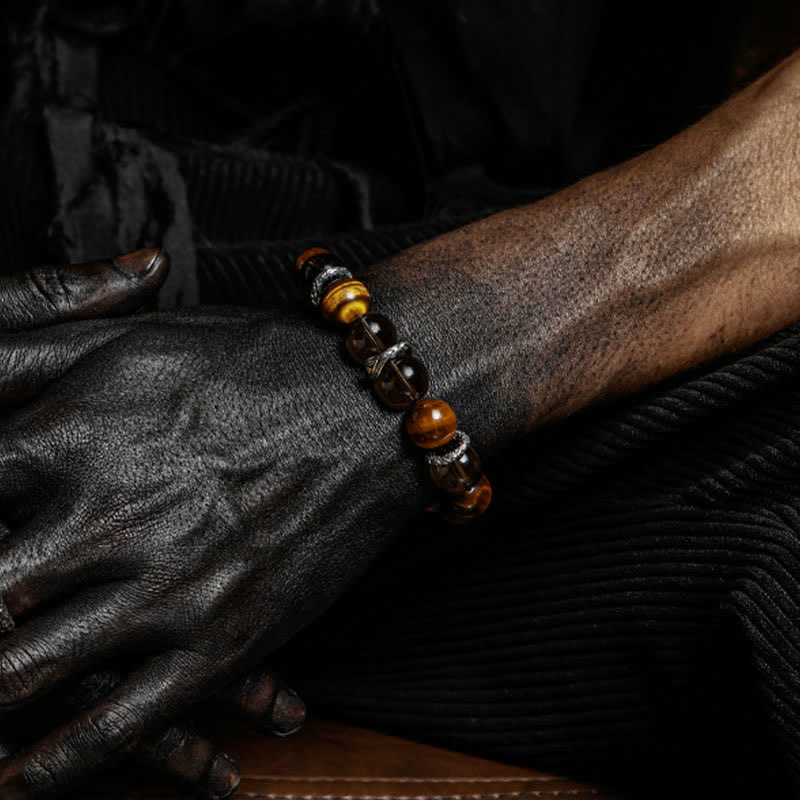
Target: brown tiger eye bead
<point>402,382</point>
<point>345,300</point>
<point>459,475</point>
<point>369,335</point>
<point>431,423</point>
<point>471,504</point>
<point>310,253</point>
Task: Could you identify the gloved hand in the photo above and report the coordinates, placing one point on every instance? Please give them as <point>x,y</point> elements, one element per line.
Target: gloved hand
<point>180,751</point>
<point>185,490</point>
<point>47,295</point>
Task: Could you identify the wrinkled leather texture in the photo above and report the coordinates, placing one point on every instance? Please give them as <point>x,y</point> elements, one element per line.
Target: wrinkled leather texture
<point>184,489</point>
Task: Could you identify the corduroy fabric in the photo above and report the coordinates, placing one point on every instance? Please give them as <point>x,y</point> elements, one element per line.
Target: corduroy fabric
<point>629,610</point>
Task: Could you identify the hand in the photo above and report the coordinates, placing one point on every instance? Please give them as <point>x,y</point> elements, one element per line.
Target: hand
<point>187,489</point>
<point>179,751</point>
<point>51,294</point>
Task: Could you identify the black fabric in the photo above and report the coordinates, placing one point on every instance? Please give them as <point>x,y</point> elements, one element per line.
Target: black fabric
<point>628,612</point>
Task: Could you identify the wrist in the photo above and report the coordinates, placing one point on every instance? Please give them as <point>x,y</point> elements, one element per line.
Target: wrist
<point>627,277</point>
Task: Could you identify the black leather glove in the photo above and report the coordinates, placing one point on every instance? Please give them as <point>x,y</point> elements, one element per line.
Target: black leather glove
<point>51,294</point>
<point>187,490</point>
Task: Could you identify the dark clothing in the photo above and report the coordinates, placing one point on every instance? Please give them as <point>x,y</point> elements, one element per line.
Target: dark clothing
<point>629,611</point>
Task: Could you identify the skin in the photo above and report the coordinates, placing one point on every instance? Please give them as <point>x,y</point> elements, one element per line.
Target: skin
<point>51,294</point>
<point>192,488</point>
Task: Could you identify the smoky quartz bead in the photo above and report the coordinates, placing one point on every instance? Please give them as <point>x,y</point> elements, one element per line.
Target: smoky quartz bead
<point>459,475</point>
<point>403,381</point>
<point>469,505</point>
<point>369,335</point>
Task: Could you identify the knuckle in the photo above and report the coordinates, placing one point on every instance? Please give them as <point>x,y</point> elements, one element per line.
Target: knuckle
<point>257,694</point>
<point>41,773</point>
<point>20,675</point>
<point>114,729</point>
<point>48,286</point>
<point>170,744</point>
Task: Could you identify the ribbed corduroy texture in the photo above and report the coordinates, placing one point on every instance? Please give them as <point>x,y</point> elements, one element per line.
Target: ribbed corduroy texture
<point>631,610</point>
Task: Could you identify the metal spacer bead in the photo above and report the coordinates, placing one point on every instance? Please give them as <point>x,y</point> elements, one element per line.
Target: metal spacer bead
<point>326,277</point>
<point>452,454</point>
<point>374,364</point>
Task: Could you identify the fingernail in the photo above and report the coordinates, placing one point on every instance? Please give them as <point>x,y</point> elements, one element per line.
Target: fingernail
<point>223,777</point>
<point>288,713</point>
<point>141,262</point>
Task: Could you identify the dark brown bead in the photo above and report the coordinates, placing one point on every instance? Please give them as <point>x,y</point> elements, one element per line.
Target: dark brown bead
<point>471,504</point>
<point>403,381</point>
<point>431,423</point>
<point>369,335</point>
<point>306,255</point>
<point>460,475</point>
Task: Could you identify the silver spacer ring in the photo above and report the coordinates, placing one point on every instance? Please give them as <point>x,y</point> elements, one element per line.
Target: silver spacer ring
<point>328,275</point>
<point>449,456</point>
<point>374,364</point>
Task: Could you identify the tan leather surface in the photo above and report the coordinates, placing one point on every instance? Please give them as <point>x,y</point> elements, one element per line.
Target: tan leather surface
<point>332,761</point>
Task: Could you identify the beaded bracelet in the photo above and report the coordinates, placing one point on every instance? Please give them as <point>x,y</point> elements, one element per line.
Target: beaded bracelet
<point>400,381</point>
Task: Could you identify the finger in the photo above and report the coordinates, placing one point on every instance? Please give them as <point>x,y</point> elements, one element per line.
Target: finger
<point>161,689</point>
<point>192,760</point>
<point>44,295</point>
<point>32,359</point>
<point>44,559</point>
<point>70,640</point>
<point>179,751</point>
<point>267,703</point>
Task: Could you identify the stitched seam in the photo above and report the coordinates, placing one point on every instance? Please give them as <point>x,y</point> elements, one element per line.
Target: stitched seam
<point>493,796</point>
<point>387,779</point>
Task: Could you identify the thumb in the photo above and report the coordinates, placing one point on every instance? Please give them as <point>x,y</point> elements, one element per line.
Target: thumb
<point>45,295</point>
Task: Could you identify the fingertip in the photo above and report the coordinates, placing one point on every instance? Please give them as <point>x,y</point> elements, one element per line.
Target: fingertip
<point>288,713</point>
<point>150,264</point>
<point>224,777</point>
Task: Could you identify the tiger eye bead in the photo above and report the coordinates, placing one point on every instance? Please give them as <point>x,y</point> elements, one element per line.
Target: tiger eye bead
<point>345,300</point>
<point>401,383</point>
<point>368,336</point>
<point>471,504</point>
<point>431,423</point>
<point>310,253</point>
<point>459,475</point>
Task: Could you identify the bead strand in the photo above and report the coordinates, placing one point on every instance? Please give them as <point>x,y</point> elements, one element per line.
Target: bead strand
<point>400,380</point>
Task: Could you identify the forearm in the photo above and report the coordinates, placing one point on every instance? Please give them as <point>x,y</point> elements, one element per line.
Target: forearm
<point>637,273</point>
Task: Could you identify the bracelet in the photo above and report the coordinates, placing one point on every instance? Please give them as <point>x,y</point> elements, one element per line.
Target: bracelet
<point>400,380</point>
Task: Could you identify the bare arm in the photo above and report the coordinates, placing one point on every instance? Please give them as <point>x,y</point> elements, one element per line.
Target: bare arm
<point>682,254</point>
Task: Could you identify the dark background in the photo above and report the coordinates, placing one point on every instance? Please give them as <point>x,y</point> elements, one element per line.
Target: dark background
<point>451,106</point>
